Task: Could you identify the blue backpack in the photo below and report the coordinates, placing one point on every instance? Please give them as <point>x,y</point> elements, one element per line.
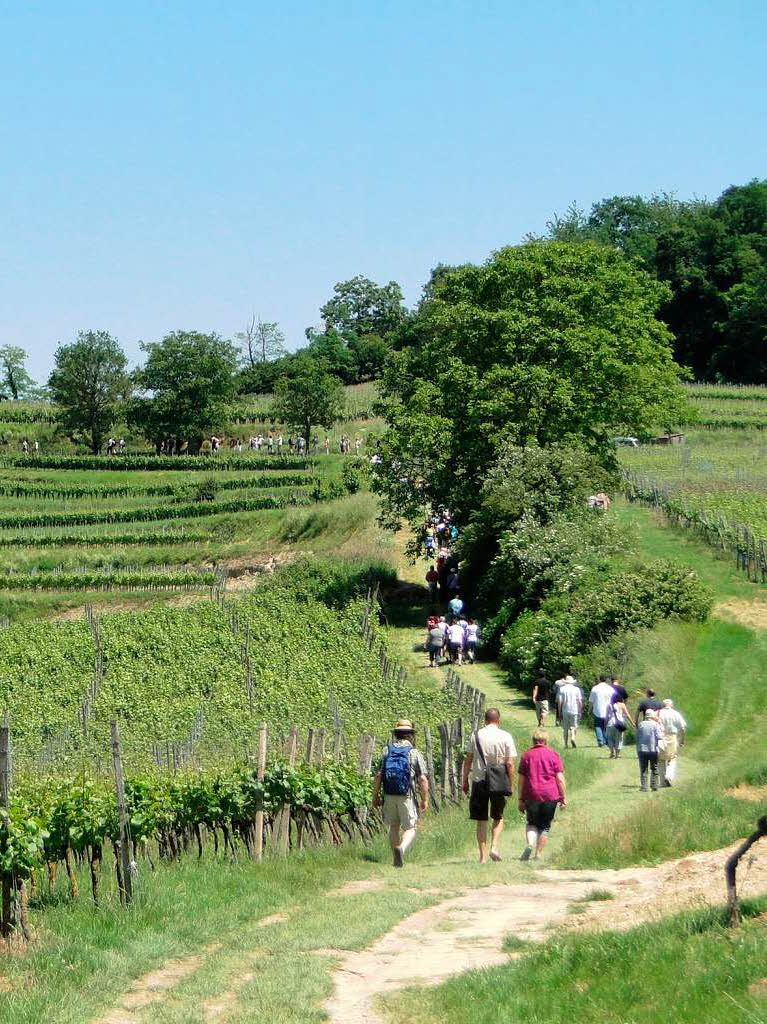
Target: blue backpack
<point>396,771</point>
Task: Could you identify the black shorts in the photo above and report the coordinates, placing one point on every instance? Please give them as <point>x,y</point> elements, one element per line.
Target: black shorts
<point>540,814</point>
<point>479,799</point>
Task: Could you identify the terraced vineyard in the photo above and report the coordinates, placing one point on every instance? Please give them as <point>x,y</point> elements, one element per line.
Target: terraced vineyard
<point>732,407</point>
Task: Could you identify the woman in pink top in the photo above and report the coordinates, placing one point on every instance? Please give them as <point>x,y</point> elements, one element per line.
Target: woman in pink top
<point>541,787</point>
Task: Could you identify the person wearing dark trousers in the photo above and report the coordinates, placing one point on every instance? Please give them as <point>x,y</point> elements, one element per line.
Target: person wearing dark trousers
<point>648,734</point>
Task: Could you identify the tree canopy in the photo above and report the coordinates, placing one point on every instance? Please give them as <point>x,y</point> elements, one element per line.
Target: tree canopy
<point>713,256</point>
<point>361,307</point>
<point>88,381</point>
<point>310,397</point>
<point>547,342</point>
<point>15,382</point>
<point>186,382</point>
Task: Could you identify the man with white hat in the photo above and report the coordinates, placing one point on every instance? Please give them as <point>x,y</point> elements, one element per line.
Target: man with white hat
<point>404,781</point>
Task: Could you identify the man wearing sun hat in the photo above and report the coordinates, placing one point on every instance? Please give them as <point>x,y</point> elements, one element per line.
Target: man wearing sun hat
<point>402,785</point>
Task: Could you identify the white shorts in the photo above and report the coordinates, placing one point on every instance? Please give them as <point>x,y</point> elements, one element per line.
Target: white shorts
<point>400,810</point>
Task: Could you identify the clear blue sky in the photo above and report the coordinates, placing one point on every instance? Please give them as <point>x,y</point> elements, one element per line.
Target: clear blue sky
<point>179,164</point>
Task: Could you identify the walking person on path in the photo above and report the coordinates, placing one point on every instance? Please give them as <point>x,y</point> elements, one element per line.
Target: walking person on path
<point>600,699</point>
<point>541,693</point>
<point>432,579</point>
<point>455,638</point>
<point>405,784</point>
<point>570,705</point>
<point>455,605</point>
<point>541,787</point>
<point>650,703</point>
<point>489,765</point>
<point>674,732</point>
<point>472,639</point>
<point>435,640</point>
<point>648,735</point>
<point>618,716</point>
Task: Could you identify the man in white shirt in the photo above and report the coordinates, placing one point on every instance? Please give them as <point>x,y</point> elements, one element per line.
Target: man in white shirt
<point>455,637</point>
<point>570,705</point>
<point>600,699</point>
<point>674,732</point>
<point>488,748</point>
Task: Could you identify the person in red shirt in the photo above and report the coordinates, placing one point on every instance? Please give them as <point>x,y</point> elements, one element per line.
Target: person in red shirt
<point>541,787</point>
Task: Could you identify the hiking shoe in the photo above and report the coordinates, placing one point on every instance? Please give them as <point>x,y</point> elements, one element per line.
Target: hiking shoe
<point>526,853</point>
<point>495,856</point>
<point>399,860</point>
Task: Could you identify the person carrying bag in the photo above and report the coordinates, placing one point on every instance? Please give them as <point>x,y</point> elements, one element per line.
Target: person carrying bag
<point>489,767</point>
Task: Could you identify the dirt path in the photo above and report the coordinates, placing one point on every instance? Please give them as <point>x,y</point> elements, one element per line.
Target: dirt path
<point>468,931</point>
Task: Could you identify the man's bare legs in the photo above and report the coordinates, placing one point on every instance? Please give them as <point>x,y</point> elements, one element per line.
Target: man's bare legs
<point>495,836</point>
<point>482,841</point>
<point>400,842</point>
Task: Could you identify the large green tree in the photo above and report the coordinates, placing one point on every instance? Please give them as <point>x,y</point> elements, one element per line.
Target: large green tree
<point>309,398</point>
<point>15,382</point>
<point>89,381</point>
<point>186,383</point>
<point>548,342</point>
<point>363,307</point>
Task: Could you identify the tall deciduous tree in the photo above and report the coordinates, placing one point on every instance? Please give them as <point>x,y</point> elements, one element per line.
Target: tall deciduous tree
<point>14,379</point>
<point>548,342</point>
<point>310,397</point>
<point>88,381</point>
<point>186,382</point>
<point>363,307</point>
<point>262,341</point>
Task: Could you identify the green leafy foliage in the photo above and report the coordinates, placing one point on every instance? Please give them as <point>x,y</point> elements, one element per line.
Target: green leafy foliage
<point>547,343</point>
<point>600,606</point>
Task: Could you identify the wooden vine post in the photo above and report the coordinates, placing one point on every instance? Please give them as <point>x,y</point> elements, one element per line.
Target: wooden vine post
<point>281,831</point>
<point>731,868</point>
<point>5,790</point>
<point>126,889</point>
<point>260,770</point>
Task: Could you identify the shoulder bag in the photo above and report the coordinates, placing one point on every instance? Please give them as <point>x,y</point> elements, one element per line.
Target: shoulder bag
<point>496,776</point>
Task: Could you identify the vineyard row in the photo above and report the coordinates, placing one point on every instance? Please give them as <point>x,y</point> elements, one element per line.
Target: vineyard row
<point>225,460</point>
<point>737,539</point>
<point>19,521</point>
<point>32,489</point>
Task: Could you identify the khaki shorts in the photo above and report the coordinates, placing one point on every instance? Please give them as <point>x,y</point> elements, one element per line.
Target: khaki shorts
<point>400,810</point>
<point>542,707</point>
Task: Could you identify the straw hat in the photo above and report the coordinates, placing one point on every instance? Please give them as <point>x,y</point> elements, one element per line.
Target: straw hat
<point>404,725</point>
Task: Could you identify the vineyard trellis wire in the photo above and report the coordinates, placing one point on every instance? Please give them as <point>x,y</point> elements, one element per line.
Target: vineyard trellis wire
<point>737,539</point>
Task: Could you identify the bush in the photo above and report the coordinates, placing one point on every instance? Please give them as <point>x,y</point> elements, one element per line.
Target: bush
<point>566,625</point>
<point>206,490</point>
<point>354,475</point>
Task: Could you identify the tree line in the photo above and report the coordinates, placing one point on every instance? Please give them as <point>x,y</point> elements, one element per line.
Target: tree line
<point>712,257</point>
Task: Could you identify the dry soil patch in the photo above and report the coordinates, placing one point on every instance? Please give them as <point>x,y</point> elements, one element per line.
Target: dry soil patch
<point>748,613</point>
<point>467,931</point>
<point>754,794</point>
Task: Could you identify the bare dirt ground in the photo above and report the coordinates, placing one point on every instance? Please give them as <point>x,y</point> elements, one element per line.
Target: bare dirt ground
<point>467,931</point>
<point>751,613</point>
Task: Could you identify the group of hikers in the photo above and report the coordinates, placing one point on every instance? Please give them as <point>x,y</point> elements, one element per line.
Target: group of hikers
<point>25,446</point>
<point>274,443</point>
<point>401,787</point>
<point>660,730</point>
